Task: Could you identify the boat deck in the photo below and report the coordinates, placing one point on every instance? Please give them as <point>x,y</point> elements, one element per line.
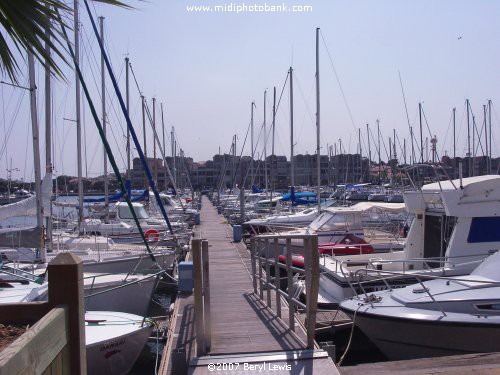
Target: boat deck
<point>245,332</point>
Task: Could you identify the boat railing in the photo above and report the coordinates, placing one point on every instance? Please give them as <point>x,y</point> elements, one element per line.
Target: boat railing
<point>21,274</point>
<point>124,285</point>
<point>362,278</point>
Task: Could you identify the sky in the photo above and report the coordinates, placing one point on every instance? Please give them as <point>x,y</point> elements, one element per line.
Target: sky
<point>207,67</point>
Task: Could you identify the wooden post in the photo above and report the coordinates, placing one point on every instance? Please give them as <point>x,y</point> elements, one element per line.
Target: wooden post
<point>206,295</point>
<point>253,250</point>
<point>268,274</point>
<point>312,292</point>
<point>261,283</point>
<point>198,297</point>
<point>277,279</point>
<point>291,306</point>
<point>66,288</point>
<point>306,245</point>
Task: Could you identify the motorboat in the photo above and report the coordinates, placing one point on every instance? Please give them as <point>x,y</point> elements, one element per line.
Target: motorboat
<point>455,224</point>
<point>443,316</point>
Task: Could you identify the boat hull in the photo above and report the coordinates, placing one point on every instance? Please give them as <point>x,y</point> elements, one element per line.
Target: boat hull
<point>402,338</point>
<point>115,354</point>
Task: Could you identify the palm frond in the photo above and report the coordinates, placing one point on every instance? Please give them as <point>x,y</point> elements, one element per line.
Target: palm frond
<point>30,25</point>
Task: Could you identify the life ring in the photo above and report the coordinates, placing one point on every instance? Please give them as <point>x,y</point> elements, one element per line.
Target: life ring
<point>152,235</point>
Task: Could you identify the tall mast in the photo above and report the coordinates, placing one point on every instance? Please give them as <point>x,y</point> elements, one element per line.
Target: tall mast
<point>274,116</point>
<point>36,149</point>
<point>48,132</point>
<point>252,151</point>
<point>172,141</point>
<point>103,97</point>
<point>421,134</point>
<point>143,107</point>
<point>473,143</point>
<point>489,120</point>
<point>360,157</point>
<point>404,150</point>
<point>292,163</point>
<point>454,134</point>
<point>265,143</point>
<point>318,156</point>
<point>379,160</point>
<point>468,140</point>
<point>155,167</point>
<point>164,149</point>
<point>394,144</point>
<point>369,146</point>
<point>77,119</point>
<point>486,137</point>
<point>127,100</point>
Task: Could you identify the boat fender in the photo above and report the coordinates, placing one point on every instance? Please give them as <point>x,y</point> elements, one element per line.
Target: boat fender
<point>152,235</point>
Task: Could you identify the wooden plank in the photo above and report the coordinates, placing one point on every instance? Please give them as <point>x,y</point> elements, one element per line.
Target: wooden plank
<point>34,351</point>
<point>23,313</point>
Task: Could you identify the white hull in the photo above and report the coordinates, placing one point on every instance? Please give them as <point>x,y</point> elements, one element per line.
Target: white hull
<point>107,293</point>
<point>400,338</point>
<point>115,342</point>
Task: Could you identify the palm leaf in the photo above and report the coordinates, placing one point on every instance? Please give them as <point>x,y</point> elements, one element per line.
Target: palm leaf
<point>29,25</point>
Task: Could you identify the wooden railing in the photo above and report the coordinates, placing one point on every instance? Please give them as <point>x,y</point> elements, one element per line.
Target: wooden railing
<point>55,344</point>
<point>265,251</point>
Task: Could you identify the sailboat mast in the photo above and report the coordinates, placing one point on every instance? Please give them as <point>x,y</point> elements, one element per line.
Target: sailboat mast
<point>318,156</point>
<point>77,119</point>
<point>468,140</point>
<point>274,116</point>
<point>379,160</point>
<point>369,147</point>
<point>143,107</point>
<point>265,143</point>
<point>486,137</point>
<point>421,133</point>
<point>127,100</point>
<point>172,141</point>
<point>48,133</point>
<point>292,164</point>
<point>103,97</point>
<point>36,149</point>
<point>489,120</point>
<point>252,151</point>
<point>155,167</point>
<point>454,135</point>
<point>164,149</point>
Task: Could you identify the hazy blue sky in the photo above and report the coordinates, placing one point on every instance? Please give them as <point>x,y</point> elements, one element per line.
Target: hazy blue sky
<point>207,67</point>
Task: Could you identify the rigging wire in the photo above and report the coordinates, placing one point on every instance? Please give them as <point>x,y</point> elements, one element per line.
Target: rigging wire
<point>341,89</point>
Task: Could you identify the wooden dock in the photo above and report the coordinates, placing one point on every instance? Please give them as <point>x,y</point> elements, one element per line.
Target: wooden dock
<point>246,336</point>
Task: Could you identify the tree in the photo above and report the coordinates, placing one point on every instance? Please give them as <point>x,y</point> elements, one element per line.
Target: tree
<point>28,25</point>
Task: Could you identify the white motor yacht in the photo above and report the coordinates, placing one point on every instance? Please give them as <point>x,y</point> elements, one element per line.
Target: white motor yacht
<point>455,224</point>
<point>438,317</point>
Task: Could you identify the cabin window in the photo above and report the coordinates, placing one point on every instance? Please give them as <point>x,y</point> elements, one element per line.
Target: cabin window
<point>492,306</point>
<point>484,229</point>
<point>139,211</point>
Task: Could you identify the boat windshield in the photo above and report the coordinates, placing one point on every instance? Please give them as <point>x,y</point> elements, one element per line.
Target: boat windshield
<point>140,211</point>
<point>335,221</point>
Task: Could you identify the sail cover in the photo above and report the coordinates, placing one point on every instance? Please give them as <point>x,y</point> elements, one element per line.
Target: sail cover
<point>27,207</point>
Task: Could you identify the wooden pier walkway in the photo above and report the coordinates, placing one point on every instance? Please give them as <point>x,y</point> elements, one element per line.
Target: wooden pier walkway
<point>246,336</point>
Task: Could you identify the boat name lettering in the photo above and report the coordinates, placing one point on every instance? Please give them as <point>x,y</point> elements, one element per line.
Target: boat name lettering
<point>112,344</point>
